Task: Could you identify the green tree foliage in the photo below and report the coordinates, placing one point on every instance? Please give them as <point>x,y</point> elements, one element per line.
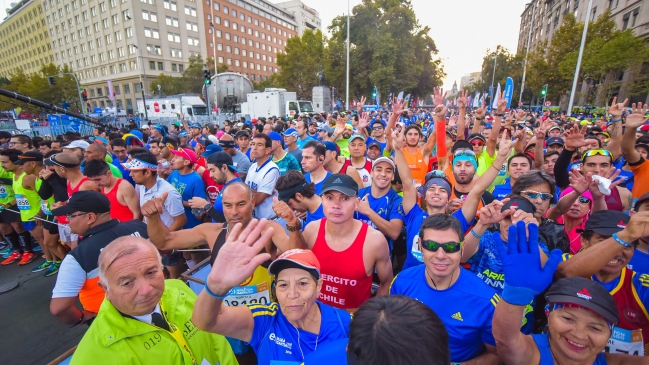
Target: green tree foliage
<point>271,81</point>
<point>191,80</point>
<point>301,62</point>
<point>389,49</point>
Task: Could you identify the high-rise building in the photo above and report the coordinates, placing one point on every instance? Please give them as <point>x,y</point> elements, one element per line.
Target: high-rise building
<point>24,39</point>
<point>469,79</point>
<point>247,35</point>
<point>305,17</point>
<point>123,42</point>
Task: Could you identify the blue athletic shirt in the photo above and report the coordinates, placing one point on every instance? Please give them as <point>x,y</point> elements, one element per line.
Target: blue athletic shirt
<point>488,266</point>
<point>318,186</point>
<point>275,339</point>
<point>639,262</point>
<point>466,309</point>
<point>310,217</point>
<point>543,344</point>
<point>334,352</point>
<point>218,202</point>
<point>388,207</point>
<point>500,191</point>
<point>413,221</point>
<point>381,144</point>
<point>189,186</point>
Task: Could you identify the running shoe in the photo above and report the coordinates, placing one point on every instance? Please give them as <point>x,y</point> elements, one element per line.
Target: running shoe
<point>37,248</point>
<point>53,269</point>
<point>46,264</point>
<point>6,252</point>
<point>15,256</point>
<point>3,245</point>
<point>27,258</point>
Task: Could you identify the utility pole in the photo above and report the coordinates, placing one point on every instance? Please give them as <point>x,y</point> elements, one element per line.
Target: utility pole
<point>544,92</point>
<point>527,50</point>
<point>493,76</point>
<point>208,81</point>
<point>83,109</point>
<point>581,53</point>
<point>347,88</point>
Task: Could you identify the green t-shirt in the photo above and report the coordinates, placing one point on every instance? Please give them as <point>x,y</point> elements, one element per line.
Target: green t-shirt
<point>6,186</point>
<point>343,144</point>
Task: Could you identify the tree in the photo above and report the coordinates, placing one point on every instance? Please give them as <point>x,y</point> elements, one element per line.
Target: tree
<point>271,81</point>
<point>301,62</point>
<point>169,85</point>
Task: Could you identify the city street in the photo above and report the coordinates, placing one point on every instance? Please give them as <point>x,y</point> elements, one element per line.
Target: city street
<point>31,335</point>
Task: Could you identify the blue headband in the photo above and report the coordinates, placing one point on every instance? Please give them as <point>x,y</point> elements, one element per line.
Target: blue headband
<point>467,158</point>
<point>436,181</point>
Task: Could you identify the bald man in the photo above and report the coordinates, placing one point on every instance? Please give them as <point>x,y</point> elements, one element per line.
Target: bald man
<point>97,151</point>
<point>241,161</point>
<point>148,317</point>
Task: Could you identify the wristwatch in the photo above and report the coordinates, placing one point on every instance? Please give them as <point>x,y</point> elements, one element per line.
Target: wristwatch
<point>294,228</point>
<point>207,207</point>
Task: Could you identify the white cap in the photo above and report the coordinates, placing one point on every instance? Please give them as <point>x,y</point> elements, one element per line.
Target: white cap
<point>383,159</point>
<point>77,144</point>
<point>146,126</point>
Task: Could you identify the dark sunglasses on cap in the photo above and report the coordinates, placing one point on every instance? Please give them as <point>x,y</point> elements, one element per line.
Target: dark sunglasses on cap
<point>584,200</point>
<point>537,194</point>
<point>448,247</point>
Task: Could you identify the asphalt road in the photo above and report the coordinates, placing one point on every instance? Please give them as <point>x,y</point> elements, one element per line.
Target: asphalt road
<point>29,333</point>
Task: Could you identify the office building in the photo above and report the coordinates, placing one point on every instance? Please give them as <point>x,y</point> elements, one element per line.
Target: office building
<point>24,39</point>
<point>305,17</point>
<point>248,35</point>
<point>470,78</point>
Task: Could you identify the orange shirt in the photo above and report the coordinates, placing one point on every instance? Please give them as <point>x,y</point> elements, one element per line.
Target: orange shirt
<point>640,178</point>
<point>418,167</point>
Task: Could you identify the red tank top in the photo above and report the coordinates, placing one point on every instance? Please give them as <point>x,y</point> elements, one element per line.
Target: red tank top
<point>614,201</point>
<point>343,169</point>
<point>346,283</point>
<point>633,314</point>
<point>71,191</point>
<point>117,211</point>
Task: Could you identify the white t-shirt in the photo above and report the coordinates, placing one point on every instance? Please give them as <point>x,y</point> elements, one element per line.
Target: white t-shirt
<point>173,206</point>
<point>262,179</point>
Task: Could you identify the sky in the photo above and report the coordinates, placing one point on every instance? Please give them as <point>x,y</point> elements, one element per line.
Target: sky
<point>463,30</point>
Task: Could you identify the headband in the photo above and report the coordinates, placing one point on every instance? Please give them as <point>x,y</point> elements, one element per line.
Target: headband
<point>285,195</point>
<point>436,181</point>
<point>136,164</point>
<point>226,144</point>
<point>467,158</point>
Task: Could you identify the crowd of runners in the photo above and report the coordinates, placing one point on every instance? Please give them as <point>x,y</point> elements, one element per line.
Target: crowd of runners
<point>398,236</point>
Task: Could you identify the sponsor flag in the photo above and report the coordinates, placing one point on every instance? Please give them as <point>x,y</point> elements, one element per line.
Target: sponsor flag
<point>509,91</point>
<point>494,105</point>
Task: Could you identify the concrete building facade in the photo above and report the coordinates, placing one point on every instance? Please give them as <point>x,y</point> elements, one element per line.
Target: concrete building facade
<point>305,17</point>
<point>469,79</point>
<point>24,39</point>
<point>247,35</point>
<point>544,17</point>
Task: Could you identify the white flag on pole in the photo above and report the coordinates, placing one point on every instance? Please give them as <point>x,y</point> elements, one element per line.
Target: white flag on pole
<point>494,105</point>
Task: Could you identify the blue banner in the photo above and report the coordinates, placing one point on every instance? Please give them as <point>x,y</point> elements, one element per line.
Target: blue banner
<point>509,91</point>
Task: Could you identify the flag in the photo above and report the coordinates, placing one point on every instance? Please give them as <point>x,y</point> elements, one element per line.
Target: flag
<point>494,105</point>
<point>111,95</point>
<point>476,100</point>
<point>414,102</point>
<point>509,91</point>
<point>376,92</point>
<point>482,100</point>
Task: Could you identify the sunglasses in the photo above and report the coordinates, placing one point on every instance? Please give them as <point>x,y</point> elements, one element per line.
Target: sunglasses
<point>464,153</point>
<point>70,216</point>
<point>596,152</point>
<point>537,194</point>
<point>584,200</point>
<point>377,128</point>
<point>477,143</point>
<point>448,247</point>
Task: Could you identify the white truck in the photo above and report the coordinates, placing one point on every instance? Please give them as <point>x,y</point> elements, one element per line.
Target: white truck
<point>274,102</point>
<point>192,106</point>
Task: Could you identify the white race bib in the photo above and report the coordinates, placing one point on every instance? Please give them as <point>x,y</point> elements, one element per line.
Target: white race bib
<point>415,249</point>
<point>3,191</point>
<point>22,202</point>
<point>251,294</point>
<point>625,342</point>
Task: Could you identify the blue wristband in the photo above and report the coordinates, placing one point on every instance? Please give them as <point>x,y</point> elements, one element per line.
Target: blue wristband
<point>615,120</point>
<point>517,295</point>
<point>475,234</point>
<point>620,241</point>
<point>209,292</point>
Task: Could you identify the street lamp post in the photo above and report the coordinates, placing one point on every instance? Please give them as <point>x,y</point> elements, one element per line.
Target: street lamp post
<point>207,94</point>
<point>493,77</point>
<point>139,70</point>
<point>347,88</point>
<point>581,53</point>
<point>527,51</point>
<point>83,108</point>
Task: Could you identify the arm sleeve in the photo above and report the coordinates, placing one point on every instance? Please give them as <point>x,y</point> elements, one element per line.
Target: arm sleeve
<point>70,279</point>
<point>561,168</point>
<point>174,203</point>
<point>440,134</point>
<point>268,182</point>
<point>45,191</point>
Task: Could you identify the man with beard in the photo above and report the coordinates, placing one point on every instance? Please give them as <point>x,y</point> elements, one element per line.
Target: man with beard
<point>240,161</point>
<point>222,171</point>
<point>517,165</point>
<point>464,169</point>
<point>332,163</point>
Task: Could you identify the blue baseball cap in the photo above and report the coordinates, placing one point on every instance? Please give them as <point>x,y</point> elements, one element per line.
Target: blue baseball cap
<point>274,136</point>
<point>330,146</point>
<point>213,148</point>
<point>195,125</point>
<point>290,132</point>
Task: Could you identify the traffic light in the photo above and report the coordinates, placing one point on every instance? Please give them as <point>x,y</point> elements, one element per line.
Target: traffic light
<point>544,91</point>
<point>208,80</point>
<point>51,81</point>
<point>374,94</point>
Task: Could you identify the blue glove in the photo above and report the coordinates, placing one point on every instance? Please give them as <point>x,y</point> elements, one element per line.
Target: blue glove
<point>524,276</point>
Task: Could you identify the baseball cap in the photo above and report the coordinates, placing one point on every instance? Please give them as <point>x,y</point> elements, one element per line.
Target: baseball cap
<point>203,140</point>
<point>461,144</point>
<point>585,293</point>
<point>554,127</point>
<point>349,126</point>
<point>297,259</point>
<point>636,202</point>
<point>87,201</point>
<point>374,144</point>
<point>146,126</point>
<point>195,125</point>
<point>185,153</point>
<point>28,156</point>
<point>342,183</point>
<point>554,140</point>
<point>519,203</point>
<point>221,158</point>
<point>383,159</point>
<point>242,133</point>
<point>330,146</point>
<point>213,148</point>
<point>290,132</point>
<point>356,136</point>
<point>274,136</point>
<point>177,123</point>
<point>476,136</point>
<point>77,144</point>
<point>606,222</point>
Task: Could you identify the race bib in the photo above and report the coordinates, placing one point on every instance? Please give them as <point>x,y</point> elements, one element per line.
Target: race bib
<point>415,249</point>
<point>22,202</point>
<point>45,208</point>
<point>251,294</point>
<point>625,342</point>
<point>3,191</point>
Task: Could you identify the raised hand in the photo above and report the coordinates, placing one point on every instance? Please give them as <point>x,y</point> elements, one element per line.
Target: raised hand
<point>154,206</point>
<point>616,109</point>
<point>505,146</point>
<point>502,104</point>
<point>398,106</point>
<point>361,104</point>
<point>363,120</point>
<point>574,138</point>
<point>521,114</point>
<point>490,213</point>
<point>637,118</point>
<point>439,96</point>
<point>480,112</point>
<point>525,276</point>
<point>283,211</point>
<point>364,206</point>
<point>579,182</point>
<point>638,227</point>
<point>440,112</point>
<point>397,140</point>
<point>340,126</point>
<point>461,101</point>
<point>239,256</point>
<point>612,175</point>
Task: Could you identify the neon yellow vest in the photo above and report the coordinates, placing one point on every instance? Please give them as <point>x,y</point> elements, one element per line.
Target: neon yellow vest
<point>28,201</point>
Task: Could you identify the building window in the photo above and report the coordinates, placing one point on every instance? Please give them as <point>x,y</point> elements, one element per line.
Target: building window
<point>181,68</point>
<point>160,66</point>
<point>174,67</point>
<point>152,65</point>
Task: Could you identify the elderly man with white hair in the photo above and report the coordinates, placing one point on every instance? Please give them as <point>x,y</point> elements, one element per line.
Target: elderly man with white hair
<point>145,319</point>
